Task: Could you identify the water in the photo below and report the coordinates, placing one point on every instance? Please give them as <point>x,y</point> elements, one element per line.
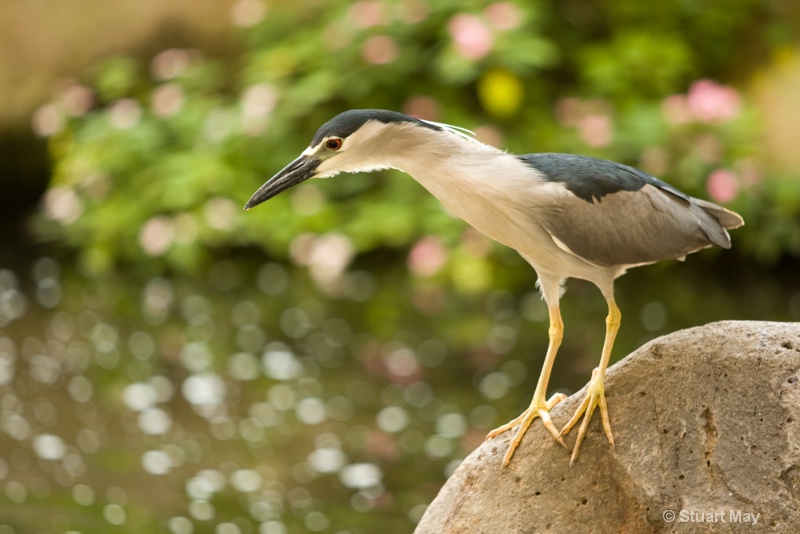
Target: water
<point>241,403</point>
<point>260,398</point>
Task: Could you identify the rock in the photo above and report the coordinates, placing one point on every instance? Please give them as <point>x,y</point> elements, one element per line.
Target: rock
<point>707,429</point>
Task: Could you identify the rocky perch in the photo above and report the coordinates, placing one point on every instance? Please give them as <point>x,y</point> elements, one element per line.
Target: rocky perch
<point>707,429</point>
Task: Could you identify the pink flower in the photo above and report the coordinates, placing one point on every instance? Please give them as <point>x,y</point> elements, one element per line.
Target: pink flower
<point>596,130</point>
<point>706,101</point>
<point>722,185</point>
<point>676,110</point>
<point>367,13</point>
<point>379,50</point>
<point>503,15</point>
<point>471,36</point>
<point>592,119</point>
<point>569,111</point>
<point>427,257</point>
<point>167,100</point>
<point>712,102</point>
<point>156,235</point>
<point>422,107</point>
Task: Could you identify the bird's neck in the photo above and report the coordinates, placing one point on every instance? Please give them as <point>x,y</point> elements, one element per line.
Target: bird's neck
<point>458,171</point>
<point>486,187</point>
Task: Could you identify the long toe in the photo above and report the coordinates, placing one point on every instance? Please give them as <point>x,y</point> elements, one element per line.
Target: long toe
<point>508,426</point>
<point>540,409</point>
<point>595,397</point>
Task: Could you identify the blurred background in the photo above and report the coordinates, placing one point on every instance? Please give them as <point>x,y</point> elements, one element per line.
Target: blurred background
<point>170,363</point>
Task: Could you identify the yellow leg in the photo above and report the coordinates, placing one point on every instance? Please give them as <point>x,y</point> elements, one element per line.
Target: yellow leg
<point>595,396</point>
<point>539,407</point>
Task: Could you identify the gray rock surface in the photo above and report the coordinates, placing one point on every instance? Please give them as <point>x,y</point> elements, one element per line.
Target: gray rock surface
<point>707,429</point>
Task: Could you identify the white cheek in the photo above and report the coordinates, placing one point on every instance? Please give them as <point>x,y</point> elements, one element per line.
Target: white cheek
<point>326,170</point>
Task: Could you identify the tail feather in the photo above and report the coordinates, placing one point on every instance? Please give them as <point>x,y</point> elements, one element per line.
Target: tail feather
<point>726,218</point>
<point>716,221</point>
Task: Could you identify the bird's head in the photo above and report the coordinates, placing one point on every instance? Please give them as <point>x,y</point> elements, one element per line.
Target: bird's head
<point>354,141</point>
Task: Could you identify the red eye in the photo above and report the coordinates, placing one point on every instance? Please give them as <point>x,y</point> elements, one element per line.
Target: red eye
<point>333,144</point>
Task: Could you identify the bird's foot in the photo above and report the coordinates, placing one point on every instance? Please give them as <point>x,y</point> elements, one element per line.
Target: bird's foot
<point>538,408</point>
<point>595,397</point>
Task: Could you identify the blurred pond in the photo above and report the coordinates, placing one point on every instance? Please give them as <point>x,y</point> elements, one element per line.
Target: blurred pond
<point>240,403</point>
<point>247,400</point>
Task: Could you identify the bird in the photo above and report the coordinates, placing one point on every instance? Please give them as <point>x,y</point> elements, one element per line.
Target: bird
<point>568,216</point>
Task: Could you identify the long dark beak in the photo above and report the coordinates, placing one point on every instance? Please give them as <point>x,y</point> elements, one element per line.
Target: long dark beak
<point>296,172</point>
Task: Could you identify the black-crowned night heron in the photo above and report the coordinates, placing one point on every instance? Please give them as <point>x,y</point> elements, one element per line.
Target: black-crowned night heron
<point>568,216</point>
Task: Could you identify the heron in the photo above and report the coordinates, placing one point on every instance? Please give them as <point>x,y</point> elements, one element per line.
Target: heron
<point>568,216</point>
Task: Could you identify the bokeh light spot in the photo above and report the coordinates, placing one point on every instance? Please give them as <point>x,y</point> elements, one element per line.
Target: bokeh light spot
<point>360,475</point>
<point>722,185</point>
<point>154,421</point>
<point>204,389</point>
<point>451,425</point>
<point>494,385</point>
<point>379,50</point>
<point>124,114</point>
<point>156,462</point>
<point>115,514</point>
<point>62,204</point>
<point>392,419</point>
<point>49,447</point>
<point>327,459</point>
<point>472,38</point>
<point>83,495</point>
<point>311,411</point>
<point>248,13</point>
<point>654,316</point>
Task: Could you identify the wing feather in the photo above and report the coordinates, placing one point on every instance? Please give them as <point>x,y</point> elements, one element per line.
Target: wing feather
<point>633,227</point>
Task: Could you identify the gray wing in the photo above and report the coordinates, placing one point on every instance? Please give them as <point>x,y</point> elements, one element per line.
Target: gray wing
<point>611,214</point>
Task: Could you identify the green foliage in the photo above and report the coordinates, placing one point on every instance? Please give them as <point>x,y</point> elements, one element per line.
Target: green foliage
<point>156,171</point>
